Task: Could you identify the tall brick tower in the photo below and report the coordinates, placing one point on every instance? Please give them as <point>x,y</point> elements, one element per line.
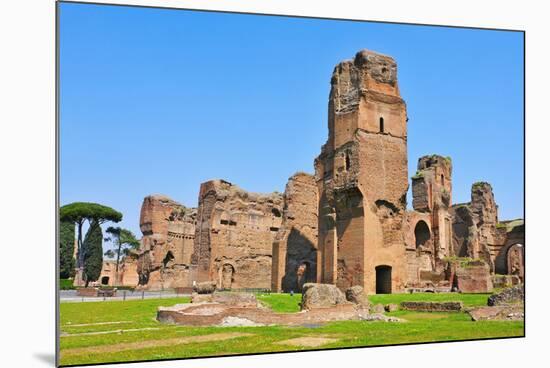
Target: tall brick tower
<point>362,178</point>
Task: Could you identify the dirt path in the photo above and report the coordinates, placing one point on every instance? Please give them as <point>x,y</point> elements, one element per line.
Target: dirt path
<point>152,344</point>
<point>64,334</point>
<point>96,324</point>
<point>306,341</point>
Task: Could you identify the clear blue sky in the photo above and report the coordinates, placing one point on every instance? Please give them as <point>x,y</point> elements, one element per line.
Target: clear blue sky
<point>158,101</point>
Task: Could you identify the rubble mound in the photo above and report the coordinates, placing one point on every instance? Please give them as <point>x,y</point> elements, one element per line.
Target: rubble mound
<point>207,287</point>
<point>511,295</point>
<point>321,296</point>
<point>357,295</point>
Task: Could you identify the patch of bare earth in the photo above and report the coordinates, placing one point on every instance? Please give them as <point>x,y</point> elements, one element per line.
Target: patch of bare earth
<point>96,324</point>
<point>152,343</point>
<point>310,342</point>
<point>64,334</point>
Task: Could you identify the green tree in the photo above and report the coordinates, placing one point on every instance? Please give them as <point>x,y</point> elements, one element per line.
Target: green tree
<point>124,241</point>
<point>92,250</point>
<point>79,213</point>
<point>66,249</point>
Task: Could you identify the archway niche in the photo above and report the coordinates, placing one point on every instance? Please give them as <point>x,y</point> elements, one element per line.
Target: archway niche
<point>105,280</point>
<point>422,234</point>
<point>227,276</point>
<point>383,279</point>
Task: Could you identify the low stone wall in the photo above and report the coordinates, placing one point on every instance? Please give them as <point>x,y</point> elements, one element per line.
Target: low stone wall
<point>432,306</point>
<point>212,314</point>
<point>87,292</point>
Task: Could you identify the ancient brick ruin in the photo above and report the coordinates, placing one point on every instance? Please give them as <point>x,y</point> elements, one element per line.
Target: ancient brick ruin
<point>346,225</point>
<point>167,244</point>
<point>234,235</point>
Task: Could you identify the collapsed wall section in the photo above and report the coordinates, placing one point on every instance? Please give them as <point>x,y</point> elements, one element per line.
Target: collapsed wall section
<point>167,244</point>
<point>295,245</point>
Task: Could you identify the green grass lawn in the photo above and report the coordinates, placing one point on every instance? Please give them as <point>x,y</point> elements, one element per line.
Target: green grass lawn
<point>136,319</point>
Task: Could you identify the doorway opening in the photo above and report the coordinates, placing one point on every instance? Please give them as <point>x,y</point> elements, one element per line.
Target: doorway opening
<point>383,280</point>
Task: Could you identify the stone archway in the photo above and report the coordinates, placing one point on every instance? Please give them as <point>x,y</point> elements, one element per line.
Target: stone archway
<point>105,280</point>
<point>383,280</point>
<point>422,234</point>
<point>227,276</point>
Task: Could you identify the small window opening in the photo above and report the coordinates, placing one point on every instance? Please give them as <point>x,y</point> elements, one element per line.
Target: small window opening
<point>348,161</point>
<point>442,180</point>
<point>381,125</point>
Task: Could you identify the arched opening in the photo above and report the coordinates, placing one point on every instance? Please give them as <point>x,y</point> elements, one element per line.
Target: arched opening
<point>276,212</point>
<point>421,234</point>
<point>381,125</point>
<point>167,261</point>
<point>105,280</point>
<point>383,280</point>
<point>442,180</point>
<point>227,276</point>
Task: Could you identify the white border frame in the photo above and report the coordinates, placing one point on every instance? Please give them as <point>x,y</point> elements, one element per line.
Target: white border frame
<point>27,148</point>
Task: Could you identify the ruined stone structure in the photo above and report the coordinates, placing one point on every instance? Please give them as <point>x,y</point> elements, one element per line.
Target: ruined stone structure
<point>295,245</point>
<point>366,235</point>
<point>348,224</point>
<point>478,234</point>
<point>127,274</point>
<point>362,178</point>
<point>166,247</point>
<point>428,236</point>
<point>234,235</point>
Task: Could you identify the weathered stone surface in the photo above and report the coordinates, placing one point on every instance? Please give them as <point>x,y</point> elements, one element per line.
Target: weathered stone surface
<point>126,275</point>
<point>321,296</point>
<point>391,307</point>
<point>378,317</point>
<point>205,287</point>
<point>498,313</point>
<point>168,235</point>
<point>242,300</point>
<point>432,306</point>
<point>377,308</point>
<point>478,233</point>
<point>356,295</point>
<point>201,298</point>
<point>474,277</point>
<point>230,321</point>
<point>362,176</point>
<point>511,295</point>
<point>295,245</point>
<point>234,235</point>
